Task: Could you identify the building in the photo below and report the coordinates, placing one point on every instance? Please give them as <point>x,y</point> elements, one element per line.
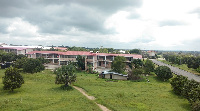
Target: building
<point>113,75</point>
<point>92,59</point>
<point>17,50</point>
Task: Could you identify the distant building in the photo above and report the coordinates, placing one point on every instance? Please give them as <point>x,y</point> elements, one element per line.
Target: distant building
<point>61,48</point>
<point>93,59</point>
<point>17,50</point>
<point>151,54</point>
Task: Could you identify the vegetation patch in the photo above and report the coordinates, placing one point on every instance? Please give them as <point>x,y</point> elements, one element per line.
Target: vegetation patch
<point>39,92</point>
<point>127,95</point>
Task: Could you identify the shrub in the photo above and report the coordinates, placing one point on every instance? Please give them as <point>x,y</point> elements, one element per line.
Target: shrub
<point>198,70</point>
<point>196,106</point>
<point>178,84</point>
<point>12,79</point>
<point>135,74</point>
<point>148,66</point>
<point>191,90</point>
<point>33,66</point>
<point>163,72</point>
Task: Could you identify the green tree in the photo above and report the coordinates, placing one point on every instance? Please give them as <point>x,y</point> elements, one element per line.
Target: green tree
<point>33,66</point>
<point>81,62</point>
<point>65,75</point>
<point>178,84</point>
<point>8,57</point>
<point>135,74</point>
<point>19,63</point>
<point>118,64</point>
<point>148,66</point>
<point>12,79</point>
<point>103,50</point>
<point>137,63</point>
<point>163,72</point>
<point>135,51</point>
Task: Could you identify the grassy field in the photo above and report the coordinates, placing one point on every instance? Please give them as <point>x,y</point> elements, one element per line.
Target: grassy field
<point>41,93</point>
<point>182,66</point>
<point>133,96</point>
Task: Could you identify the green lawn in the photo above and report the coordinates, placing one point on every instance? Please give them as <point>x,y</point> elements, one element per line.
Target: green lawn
<point>133,96</point>
<point>182,66</point>
<point>41,93</point>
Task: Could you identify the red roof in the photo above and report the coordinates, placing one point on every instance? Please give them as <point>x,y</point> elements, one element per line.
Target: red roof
<point>136,56</point>
<point>62,53</point>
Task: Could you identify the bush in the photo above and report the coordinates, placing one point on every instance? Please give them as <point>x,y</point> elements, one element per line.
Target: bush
<point>135,74</point>
<point>178,84</point>
<point>196,106</point>
<point>198,70</point>
<point>33,66</point>
<point>163,72</point>
<point>12,79</point>
<point>191,91</point>
<point>148,66</point>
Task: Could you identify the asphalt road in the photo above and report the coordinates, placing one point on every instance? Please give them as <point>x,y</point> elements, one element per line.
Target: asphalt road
<point>178,71</point>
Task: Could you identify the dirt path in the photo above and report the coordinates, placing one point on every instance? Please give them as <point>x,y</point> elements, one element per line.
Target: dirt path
<point>103,108</point>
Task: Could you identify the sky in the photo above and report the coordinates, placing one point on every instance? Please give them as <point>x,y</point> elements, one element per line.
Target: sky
<point>120,24</point>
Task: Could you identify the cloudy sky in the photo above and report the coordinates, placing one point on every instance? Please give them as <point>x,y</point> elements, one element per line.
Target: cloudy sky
<point>128,24</point>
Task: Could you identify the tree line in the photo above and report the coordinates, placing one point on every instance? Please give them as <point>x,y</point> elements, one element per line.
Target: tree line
<point>190,61</point>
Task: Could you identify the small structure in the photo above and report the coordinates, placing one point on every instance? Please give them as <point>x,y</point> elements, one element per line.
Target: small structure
<point>113,75</point>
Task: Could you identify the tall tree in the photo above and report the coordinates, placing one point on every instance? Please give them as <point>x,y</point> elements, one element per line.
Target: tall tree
<point>148,66</point>
<point>118,64</point>
<point>81,62</point>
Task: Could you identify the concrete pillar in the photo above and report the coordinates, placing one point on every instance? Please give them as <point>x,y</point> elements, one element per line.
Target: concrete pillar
<point>93,62</point>
<point>59,60</point>
<point>53,58</point>
<point>105,61</point>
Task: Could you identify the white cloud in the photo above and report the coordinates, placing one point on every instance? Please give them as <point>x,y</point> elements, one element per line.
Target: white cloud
<point>21,28</point>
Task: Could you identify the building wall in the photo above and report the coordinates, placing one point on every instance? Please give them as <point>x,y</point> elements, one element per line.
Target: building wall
<point>119,77</point>
<point>114,76</point>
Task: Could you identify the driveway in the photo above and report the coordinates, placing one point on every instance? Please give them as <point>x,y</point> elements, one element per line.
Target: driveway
<point>178,71</point>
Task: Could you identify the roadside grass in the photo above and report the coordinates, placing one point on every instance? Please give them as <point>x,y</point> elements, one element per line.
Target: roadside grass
<point>182,66</point>
<point>133,96</point>
<point>39,92</point>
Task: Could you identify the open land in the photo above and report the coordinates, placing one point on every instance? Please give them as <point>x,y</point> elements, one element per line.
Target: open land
<point>41,93</point>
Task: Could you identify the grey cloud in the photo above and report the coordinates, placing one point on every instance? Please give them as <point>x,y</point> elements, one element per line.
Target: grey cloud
<point>54,16</point>
<point>170,23</point>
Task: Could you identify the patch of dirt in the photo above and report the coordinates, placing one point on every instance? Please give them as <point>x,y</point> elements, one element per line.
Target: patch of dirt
<point>103,108</point>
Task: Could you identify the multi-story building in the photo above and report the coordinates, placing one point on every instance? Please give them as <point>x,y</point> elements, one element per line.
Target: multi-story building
<point>17,50</point>
<point>93,59</point>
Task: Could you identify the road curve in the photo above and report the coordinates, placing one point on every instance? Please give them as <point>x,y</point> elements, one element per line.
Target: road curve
<point>178,71</point>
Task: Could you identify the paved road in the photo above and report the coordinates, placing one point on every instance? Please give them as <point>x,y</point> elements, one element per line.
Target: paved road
<point>178,71</point>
